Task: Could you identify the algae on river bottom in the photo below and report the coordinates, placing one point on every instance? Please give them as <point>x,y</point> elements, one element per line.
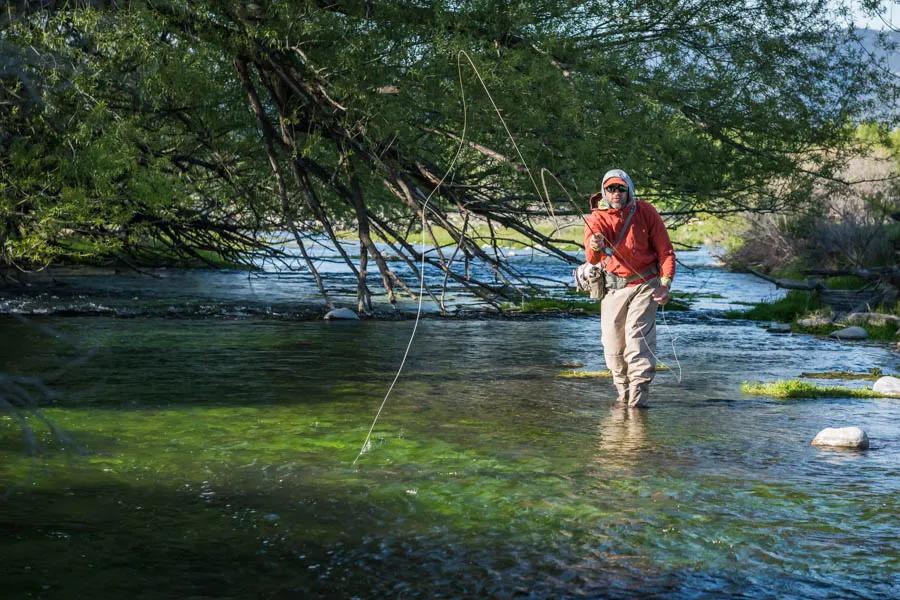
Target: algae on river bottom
<point>218,462</point>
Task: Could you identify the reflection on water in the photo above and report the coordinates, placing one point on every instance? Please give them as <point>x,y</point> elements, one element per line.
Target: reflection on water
<point>217,462</point>
<point>622,436</point>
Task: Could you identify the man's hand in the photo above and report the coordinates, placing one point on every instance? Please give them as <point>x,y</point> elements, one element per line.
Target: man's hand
<point>596,243</point>
<point>661,294</point>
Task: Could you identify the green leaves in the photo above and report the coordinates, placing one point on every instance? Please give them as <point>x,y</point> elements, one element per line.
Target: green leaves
<point>706,104</point>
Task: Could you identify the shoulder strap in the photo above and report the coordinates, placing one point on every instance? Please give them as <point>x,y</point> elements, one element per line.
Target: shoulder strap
<point>621,235</point>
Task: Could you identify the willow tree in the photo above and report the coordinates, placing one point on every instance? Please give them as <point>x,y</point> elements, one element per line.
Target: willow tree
<point>313,117</point>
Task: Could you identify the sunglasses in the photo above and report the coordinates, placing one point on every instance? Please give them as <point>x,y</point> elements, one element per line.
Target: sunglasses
<point>616,187</point>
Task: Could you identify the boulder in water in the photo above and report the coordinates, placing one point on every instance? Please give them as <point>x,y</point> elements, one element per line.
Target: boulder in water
<point>341,314</point>
<point>850,333</point>
<point>779,328</point>
<point>842,437</point>
<point>887,385</point>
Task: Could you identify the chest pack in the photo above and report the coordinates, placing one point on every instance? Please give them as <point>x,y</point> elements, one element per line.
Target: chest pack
<point>592,278</point>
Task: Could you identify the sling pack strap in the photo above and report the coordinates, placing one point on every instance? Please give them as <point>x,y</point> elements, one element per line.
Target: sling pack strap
<point>610,251</point>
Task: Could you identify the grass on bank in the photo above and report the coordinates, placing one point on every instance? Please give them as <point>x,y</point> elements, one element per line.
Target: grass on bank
<point>799,303</point>
<point>876,333</point>
<point>794,388</point>
<point>569,231</point>
<point>785,310</point>
<point>706,230</point>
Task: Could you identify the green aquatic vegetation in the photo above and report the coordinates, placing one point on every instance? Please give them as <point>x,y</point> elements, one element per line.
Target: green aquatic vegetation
<point>226,452</point>
<point>554,305</point>
<point>872,374</point>
<point>550,305</point>
<point>677,303</point>
<point>691,296</point>
<point>573,374</point>
<point>794,388</point>
<point>219,453</point>
<point>605,374</point>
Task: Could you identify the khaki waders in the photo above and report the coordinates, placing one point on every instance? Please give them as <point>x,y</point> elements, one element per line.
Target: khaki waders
<point>628,334</point>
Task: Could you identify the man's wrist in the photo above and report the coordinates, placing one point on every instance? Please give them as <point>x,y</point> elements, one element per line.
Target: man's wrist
<point>666,281</point>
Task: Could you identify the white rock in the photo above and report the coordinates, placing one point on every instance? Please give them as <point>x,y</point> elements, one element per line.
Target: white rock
<point>842,437</point>
<point>850,333</point>
<point>779,328</point>
<point>814,321</point>
<point>342,313</point>
<point>887,385</point>
<point>872,318</point>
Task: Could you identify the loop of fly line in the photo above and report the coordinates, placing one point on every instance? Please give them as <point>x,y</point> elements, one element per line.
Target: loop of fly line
<point>545,198</point>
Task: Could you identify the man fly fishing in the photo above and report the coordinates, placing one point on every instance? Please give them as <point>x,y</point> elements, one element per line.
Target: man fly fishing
<point>626,238</point>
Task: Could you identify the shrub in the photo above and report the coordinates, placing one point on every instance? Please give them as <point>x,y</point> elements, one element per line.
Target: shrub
<point>843,226</point>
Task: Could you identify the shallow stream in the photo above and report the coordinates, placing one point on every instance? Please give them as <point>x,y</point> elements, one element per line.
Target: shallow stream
<point>212,457</point>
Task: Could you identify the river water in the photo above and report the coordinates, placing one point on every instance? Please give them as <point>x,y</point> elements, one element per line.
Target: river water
<point>213,457</point>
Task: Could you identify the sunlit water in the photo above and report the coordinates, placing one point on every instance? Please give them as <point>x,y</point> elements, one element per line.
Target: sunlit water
<point>288,295</point>
<point>213,458</point>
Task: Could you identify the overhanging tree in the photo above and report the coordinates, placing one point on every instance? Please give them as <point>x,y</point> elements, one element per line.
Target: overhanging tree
<point>236,119</point>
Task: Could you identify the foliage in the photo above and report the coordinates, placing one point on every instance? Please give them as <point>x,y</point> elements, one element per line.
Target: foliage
<point>881,333</point>
<point>565,233</point>
<point>718,232</point>
<point>120,153</point>
<point>847,225</point>
<point>845,282</point>
<point>794,388</point>
<point>799,303</point>
<point>127,125</point>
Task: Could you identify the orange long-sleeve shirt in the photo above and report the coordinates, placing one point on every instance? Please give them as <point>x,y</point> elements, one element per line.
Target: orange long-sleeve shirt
<point>646,243</point>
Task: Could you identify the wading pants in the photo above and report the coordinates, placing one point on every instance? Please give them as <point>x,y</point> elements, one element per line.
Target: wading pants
<point>628,334</point>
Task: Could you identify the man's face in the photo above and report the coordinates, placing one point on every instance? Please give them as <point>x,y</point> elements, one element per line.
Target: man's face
<point>616,194</point>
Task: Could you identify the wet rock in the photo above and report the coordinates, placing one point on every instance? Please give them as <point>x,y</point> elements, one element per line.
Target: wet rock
<point>779,328</point>
<point>842,437</point>
<point>887,385</point>
<point>850,333</point>
<point>341,314</point>
<point>814,321</point>
<point>872,319</point>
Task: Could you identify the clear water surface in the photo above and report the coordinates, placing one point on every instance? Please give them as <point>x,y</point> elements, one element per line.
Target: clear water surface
<point>213,457</point>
